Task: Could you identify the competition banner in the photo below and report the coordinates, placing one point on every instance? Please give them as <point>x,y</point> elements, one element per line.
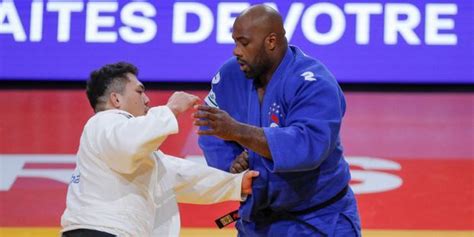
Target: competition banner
<point>382,41</point>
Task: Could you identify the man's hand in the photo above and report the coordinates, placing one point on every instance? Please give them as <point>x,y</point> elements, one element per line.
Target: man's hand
<point>181,101</point>
<point>240,163</point>
<point>220,123</point>
<point>247,181</point>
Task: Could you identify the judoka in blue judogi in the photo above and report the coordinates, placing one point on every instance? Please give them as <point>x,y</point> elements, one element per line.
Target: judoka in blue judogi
<point>285,108</point>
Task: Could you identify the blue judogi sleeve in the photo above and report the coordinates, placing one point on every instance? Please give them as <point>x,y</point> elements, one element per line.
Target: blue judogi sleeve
<point>310,133</point>
<point>225,95</point>
<point>218,153</point>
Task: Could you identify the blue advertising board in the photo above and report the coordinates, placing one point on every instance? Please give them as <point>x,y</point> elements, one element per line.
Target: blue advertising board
<point>382,41</point>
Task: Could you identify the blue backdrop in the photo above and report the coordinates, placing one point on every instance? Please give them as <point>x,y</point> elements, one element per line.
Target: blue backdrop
<point>365,41</point>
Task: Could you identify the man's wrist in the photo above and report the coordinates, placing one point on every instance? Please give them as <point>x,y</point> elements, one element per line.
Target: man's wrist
<point>241,131</point>
<point>173,109</point>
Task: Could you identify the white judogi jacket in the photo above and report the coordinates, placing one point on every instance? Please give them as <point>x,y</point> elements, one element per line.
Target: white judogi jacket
<point>123,186</point>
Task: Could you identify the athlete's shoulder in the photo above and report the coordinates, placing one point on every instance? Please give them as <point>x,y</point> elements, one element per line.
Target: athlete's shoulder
<point>108,117</point>
<point>307,76</point>
<point>309,69</point>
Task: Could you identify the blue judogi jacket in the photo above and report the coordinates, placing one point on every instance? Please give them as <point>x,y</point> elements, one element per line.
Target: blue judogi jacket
<point>301,116</point>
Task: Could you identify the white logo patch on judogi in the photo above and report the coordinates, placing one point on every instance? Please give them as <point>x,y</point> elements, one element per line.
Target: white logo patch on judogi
<point>211,99</point>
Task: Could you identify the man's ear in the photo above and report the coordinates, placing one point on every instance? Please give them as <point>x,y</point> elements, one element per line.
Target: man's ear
<point>271,41</point>
<point>115,99</point>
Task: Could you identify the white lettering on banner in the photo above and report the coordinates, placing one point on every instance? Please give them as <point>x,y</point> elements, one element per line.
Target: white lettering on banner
<point>180,12</point>
<point>338,23</point>
<point>433,24</point>
<point>36,21</point>
<point>94,21</point>
<point>363,12</point>
<point>292,18</point>
<point>406,27</point>
<point>64,10</point>
<point>138,23</point>
<point>225,20</point>
<point>10,21</point>
<point>371,179</point>
<point>393,26</point>
<point>145,23</point>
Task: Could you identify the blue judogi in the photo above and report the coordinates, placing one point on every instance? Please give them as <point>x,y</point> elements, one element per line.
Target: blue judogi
<point>301,114</point>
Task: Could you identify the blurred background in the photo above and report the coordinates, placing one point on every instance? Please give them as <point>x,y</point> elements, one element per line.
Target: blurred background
<point>406,67</point>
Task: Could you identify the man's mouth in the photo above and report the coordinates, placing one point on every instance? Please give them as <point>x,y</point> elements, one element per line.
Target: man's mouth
<point>243,65</point>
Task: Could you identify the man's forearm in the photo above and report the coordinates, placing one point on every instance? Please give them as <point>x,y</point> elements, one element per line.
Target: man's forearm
<point>253,138</point>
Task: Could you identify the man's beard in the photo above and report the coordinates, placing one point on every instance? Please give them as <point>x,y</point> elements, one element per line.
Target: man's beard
<point>261,66</point>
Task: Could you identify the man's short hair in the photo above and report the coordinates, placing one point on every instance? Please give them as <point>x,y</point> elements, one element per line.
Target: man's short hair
<point>109,78</point>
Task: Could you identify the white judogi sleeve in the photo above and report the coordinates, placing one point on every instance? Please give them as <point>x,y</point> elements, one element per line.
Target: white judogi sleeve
<point>189,182</point>
<point>125,141</point>
<point>200,184</point>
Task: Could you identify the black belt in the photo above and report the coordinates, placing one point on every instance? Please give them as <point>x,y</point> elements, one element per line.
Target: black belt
<point>86,232</point>
<point>322,205</point>
<point>273,216</point>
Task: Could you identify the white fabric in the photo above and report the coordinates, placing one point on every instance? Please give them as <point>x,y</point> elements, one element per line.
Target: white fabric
<point>123,186</point>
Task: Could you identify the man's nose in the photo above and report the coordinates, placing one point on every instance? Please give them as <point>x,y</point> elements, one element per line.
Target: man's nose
<point>147,100</point>
<point>237,52</point>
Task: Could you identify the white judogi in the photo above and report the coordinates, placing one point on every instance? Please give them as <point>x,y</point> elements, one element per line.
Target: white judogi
<point>123,186</point>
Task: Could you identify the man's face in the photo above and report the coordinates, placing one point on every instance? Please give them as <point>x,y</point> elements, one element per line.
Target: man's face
<point>250,49</point>
<point>133,99</point>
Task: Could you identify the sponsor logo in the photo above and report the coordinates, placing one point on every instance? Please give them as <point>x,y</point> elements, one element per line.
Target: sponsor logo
<point>308,76</point>
<point>217,78</point>
<point>211,99</point>
<point>75,179</point>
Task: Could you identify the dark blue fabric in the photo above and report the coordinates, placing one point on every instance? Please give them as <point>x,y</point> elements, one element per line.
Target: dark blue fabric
<point>301,114</point>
